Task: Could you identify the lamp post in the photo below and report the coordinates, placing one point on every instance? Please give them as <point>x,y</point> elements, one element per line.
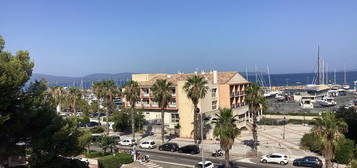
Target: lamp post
<point>284,127</point>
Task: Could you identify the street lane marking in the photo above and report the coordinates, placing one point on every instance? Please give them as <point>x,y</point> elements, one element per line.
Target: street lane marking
<point>171,163</point>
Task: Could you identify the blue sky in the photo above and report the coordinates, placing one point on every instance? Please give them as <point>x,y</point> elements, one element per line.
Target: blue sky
<point>80,37</point>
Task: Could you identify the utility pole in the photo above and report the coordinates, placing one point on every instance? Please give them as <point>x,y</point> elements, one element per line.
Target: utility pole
<point>284,127</point>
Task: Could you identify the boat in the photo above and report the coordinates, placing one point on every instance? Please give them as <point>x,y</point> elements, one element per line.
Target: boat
<point>306,104</point>
<point>327,101</point>
<point>280,97</point>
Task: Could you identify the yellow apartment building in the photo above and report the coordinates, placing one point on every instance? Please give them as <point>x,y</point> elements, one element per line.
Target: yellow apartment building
<point>226,90</point>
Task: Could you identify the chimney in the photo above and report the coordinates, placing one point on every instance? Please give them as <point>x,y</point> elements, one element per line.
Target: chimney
<point>215,77</point>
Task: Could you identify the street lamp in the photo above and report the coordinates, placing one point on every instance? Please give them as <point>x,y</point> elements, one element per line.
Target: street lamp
<point>284,127</point>
<point>202,155</point>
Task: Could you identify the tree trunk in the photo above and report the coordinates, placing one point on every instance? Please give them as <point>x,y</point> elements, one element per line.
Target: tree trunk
<point>107,121</point>
<point>328,154</point>
<point>162,126</point>
<point>255,133</point>
<point>226,158</point>
<point>195,124</point>
<point>133,120</point>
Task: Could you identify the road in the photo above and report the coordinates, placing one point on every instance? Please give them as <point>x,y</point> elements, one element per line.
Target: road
<point>178,160</point>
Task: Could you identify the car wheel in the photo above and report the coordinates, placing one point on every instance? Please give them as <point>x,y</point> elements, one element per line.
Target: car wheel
<point>282,163</point>
<point>264,161</point>
<point>180,151</point>
<point>160,149</point>
<point>192,152</point>
<point>172,150</point>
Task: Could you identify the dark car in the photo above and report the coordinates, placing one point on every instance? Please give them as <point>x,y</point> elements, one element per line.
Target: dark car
<point>193,149</point>
<point>92,124</point>
<point>169,147</point>
<point>308,161</point>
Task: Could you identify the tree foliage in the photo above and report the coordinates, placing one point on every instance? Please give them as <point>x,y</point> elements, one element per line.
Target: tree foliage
<point>330,130</point>
<point>30,115</point>
<point>162,91</point>
<point>196,88</point>
<point>226,130</point>
<point>256,102</point>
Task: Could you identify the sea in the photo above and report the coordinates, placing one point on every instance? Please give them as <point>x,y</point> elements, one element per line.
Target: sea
<point>301,78</point>
<point>276,79</point>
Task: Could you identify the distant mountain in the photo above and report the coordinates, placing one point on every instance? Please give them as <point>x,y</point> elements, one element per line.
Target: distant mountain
<point>91,77</point>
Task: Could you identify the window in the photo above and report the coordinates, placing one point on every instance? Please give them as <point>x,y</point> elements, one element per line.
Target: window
<point>214,92</point>
<point>175,118</point>
<point>214,105</point>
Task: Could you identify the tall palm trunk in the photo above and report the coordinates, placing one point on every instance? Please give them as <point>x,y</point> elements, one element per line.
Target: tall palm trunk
<point>226,158</point>
<point>133,121</point>
<point>255,133</point>
<point>195,123</point>
<point>328,151</point>
<point>162,126</point>
<point>107,112</point>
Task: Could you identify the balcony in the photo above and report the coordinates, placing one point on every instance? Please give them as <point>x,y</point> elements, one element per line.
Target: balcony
<point>173,94</point>
<point>155,105</point>
<point>146,94</point>
<point>172,105</point>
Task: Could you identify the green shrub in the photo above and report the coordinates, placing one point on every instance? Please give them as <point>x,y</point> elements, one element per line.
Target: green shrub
<point>292,114</point>
<point>312,142</point>
<point>116,161</point>
<point>93,154</point>
<point>270,121</point>
<point>97,129</point>
<point>353,164</point>
<point>344,151</point>
<point>296,121</point>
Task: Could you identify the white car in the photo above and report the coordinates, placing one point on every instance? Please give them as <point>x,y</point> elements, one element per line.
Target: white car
<point>148,145</point>
<point>208,164</point>
<point>127,142</point>
<point>275,158</point>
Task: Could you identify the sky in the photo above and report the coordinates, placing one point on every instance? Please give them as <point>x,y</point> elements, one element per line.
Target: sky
<point>76,38</point>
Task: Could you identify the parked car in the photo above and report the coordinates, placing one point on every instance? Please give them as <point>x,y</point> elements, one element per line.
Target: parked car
<point>148,145</point>
<point>208,164</point>
<point>309,161</point>
<point>275,158</point>
<point>92,124</point>
<point>169,147</point>
<point>127,142</point>
<point>193,149</point>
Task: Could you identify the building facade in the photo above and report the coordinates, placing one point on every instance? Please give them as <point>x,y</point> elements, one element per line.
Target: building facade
<point>226,90</point>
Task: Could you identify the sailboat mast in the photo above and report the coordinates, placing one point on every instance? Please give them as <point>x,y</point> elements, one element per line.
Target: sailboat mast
<point>334,77</point>
<point>344,69</point>
<point>318,65</point>
<point>246,73</point>
<point>269,77</point>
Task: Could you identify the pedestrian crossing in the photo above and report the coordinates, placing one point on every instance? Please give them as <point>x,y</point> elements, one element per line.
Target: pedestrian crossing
<point>150,165</point>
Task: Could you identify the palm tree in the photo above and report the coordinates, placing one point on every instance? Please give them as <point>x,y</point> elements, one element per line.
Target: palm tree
<point>107,90</point>
<point>226,130</point>
<point>132,95</point>
<point>73,98</point>
<point>196,89</point>
<point>163,95</point>
<point>256,103</point>
<point>58,95</point>
<point>329,129</point>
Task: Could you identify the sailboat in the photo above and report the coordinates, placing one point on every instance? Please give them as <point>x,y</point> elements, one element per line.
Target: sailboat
<point>345,84</point>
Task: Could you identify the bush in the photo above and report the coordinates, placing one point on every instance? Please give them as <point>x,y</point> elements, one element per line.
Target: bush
<point>116,161</point>
<point>93,154</point>
<point>270,121</point>
<point>312,142</point>
<point>292,114</point>
<point>344,151</point>
<point>97,129</point>
<point>353,164</point>
<point>295,121</point>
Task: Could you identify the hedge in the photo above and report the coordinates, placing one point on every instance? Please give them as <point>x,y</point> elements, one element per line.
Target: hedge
<point>93,154</point>
<point>97,129</point>
<point>292,114</point>
<point>116,161</point>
